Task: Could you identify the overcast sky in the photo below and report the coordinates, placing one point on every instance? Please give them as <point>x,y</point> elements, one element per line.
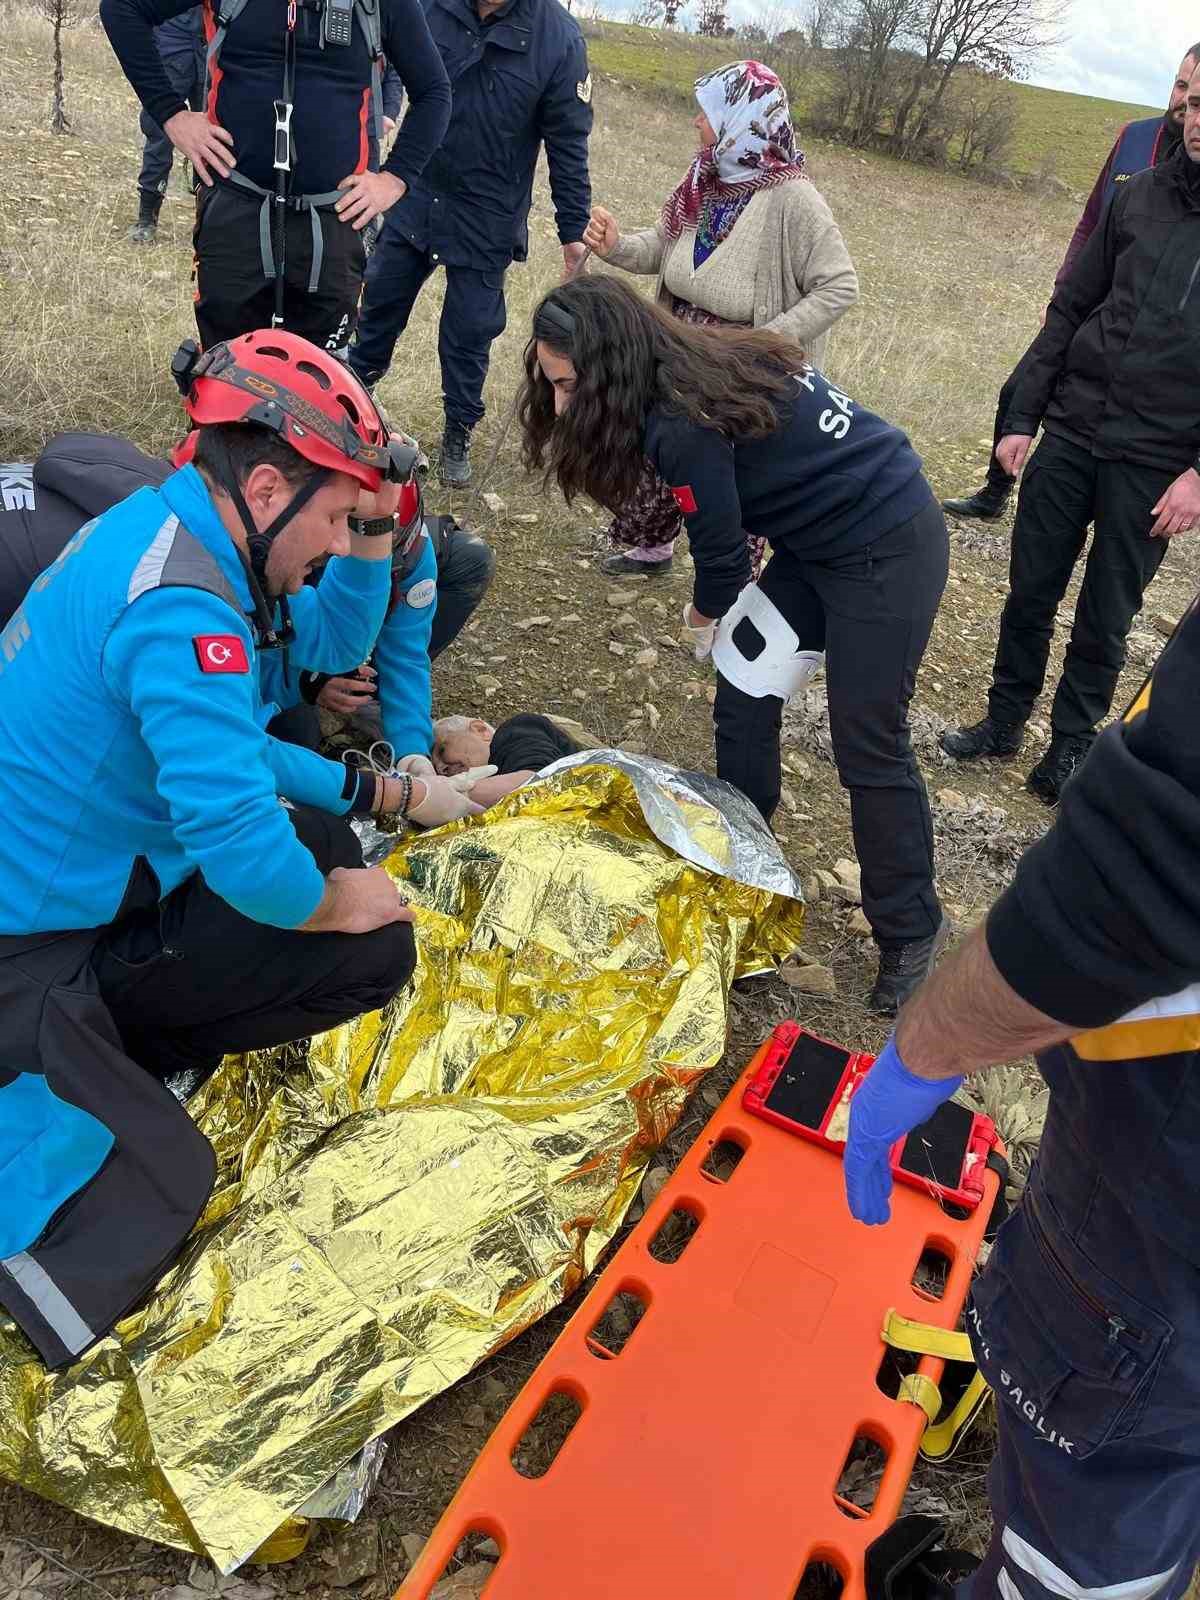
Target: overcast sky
<point>1122,49</point>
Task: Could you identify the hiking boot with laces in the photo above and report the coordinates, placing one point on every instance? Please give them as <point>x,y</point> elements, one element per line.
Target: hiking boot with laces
<point>1049,777</point>
<point>145,229</point>
<point>904,967</point>
<point>455,467</point>
<point>987,737</point>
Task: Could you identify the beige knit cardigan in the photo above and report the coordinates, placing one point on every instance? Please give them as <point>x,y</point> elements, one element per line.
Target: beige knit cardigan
<point>804,279</point>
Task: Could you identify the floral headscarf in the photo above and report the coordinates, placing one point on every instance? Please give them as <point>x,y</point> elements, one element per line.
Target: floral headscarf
<point>755,146</point>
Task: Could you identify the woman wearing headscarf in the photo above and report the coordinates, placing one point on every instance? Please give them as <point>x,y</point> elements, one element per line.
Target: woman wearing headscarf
<point>745,240</point>
<point>753,440</point>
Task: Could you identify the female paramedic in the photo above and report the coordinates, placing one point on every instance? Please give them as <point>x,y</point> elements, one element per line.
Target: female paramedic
<point>750,437</point>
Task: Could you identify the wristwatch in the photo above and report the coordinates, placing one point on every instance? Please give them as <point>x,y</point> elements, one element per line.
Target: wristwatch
<point>373,527</point>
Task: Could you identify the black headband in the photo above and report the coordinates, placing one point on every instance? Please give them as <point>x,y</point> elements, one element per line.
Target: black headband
<point>555,318</point>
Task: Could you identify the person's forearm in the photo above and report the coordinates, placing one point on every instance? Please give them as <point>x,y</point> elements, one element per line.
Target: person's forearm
<point>965,1018</point>
<point>488,790</point>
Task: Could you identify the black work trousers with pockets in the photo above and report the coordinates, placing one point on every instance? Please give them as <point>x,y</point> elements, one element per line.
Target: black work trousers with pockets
<point>234,295</point>
<point>1063,489</point>
<point>188,979</point>
<point>872,613</point>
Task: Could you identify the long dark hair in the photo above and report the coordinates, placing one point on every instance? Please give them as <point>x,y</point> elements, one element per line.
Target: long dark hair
<point>629,357</point>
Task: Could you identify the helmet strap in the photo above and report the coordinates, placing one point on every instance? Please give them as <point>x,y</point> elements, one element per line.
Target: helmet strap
<point>259,541</point>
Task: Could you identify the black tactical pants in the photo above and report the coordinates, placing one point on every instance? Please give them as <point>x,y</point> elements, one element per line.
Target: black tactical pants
<point>1063,489</point>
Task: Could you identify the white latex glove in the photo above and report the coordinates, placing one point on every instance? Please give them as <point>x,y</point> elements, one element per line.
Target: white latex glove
<point>442,802</point>
<point>702,636</point>
<point>417,767</point>
<point>463,781</point>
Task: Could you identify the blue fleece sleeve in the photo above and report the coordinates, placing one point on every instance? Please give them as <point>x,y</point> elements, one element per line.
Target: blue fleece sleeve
<point>402,661</point>
<point>338,621</point>
<point>309,779</point>
<point>214,772</point>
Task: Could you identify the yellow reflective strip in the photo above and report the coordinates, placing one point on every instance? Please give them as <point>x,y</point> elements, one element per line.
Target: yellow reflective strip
<point>941,1439</point>
<point>1142,703</point>
<point>1128,1041</point>
<point>923,1339</point>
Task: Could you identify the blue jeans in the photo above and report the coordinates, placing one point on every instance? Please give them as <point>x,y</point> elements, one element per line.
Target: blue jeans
<point>473,315</point>
<point>1087,1327</point>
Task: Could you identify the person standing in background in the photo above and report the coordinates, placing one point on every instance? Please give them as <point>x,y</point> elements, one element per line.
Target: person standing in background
<point>1138,145</point>
<point>520,78</point>
<point>180,44</point>
<point>742,241</point>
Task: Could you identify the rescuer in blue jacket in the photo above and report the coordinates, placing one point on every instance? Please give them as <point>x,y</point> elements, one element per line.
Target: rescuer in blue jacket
<point>159,908</point>
<point>519,75</point>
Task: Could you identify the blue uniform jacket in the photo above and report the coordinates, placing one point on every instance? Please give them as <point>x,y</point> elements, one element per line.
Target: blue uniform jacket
<point>518,81</point>
<point>401,659</point>
<point>117,742</point>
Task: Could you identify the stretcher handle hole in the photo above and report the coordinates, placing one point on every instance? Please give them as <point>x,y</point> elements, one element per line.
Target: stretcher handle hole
<point>820,1580</point>
<point>893,1369</point>
<point>674,1235</point>
<point>467,1561</point>
<point>723,1159</point>
<point>537,1449</point>
<point>616,1327</point>
<point>860,1477</point>
<point>932,1272</point>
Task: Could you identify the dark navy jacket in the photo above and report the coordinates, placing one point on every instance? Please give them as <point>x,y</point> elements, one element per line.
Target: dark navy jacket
<point>831,480</point>
<point>333,109</point>
<point>1138,145</point>
<point>519,80</point>
<point>182,37</point>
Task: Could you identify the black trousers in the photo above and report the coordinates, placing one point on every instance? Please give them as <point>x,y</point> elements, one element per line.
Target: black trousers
<point>1063,489</point>
<point>473,315</point>
<point>998,480</point>
<point>234,294</point>
<point>185,70</point>
<point>188,979</point>
<point>872,614</point>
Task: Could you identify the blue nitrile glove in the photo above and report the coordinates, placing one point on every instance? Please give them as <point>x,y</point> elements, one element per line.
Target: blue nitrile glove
<point>890,1103</point>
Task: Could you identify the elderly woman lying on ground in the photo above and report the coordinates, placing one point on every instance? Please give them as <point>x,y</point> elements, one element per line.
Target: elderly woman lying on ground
<point>504,758</point>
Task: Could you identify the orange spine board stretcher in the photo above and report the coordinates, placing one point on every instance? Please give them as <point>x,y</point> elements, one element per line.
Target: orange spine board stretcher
<point>704,1462</point>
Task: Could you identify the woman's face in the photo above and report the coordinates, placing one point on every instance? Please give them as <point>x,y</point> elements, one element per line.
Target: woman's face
<point>705,132</point>
<point>559,373</point>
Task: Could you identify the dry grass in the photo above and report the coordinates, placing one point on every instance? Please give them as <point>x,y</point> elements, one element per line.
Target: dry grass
<point>952,279</point>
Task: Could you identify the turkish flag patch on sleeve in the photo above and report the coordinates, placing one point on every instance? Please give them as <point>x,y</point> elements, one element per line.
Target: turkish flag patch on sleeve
<point>685,499</point>
<point>220,652</point>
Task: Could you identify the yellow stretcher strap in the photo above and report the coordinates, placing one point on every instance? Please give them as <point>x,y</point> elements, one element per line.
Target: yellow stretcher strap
<point>940,1439</point>
<point>922,1339</point>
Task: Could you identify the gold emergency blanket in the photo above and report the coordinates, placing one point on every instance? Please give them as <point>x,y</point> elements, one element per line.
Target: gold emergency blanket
<point>420,1185</point>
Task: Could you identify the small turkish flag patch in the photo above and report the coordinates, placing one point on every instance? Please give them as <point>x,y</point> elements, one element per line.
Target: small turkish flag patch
<point>220,652</point>
<point>685,499</point>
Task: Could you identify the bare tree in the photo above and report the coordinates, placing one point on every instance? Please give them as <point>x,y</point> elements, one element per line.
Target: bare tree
<point>818,23</point>
<point>1002,37</point>
<point>671,10</point>
<point>986,119</point>
<point>710,19</point>
<point>57,13</point>
<point>647,13</point>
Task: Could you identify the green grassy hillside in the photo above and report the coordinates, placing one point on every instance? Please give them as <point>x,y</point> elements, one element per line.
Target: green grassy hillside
<point>1066,134</point>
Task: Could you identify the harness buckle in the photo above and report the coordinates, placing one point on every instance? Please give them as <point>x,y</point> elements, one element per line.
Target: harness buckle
<point>283,136</point>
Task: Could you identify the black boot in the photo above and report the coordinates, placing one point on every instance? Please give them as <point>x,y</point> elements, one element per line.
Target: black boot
<point>988,503</point>
<point>455,468</point>
<point>145,229</point>
<point>1049,777</point>
<point>903,967</point>
<point>983,738</point>
<point>903,1563</point>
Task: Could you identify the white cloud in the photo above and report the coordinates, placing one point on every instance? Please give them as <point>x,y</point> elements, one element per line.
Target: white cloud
<point>1121,51</point>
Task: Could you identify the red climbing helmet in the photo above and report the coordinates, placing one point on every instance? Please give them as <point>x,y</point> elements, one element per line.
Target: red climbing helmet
<point>303,393</point>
